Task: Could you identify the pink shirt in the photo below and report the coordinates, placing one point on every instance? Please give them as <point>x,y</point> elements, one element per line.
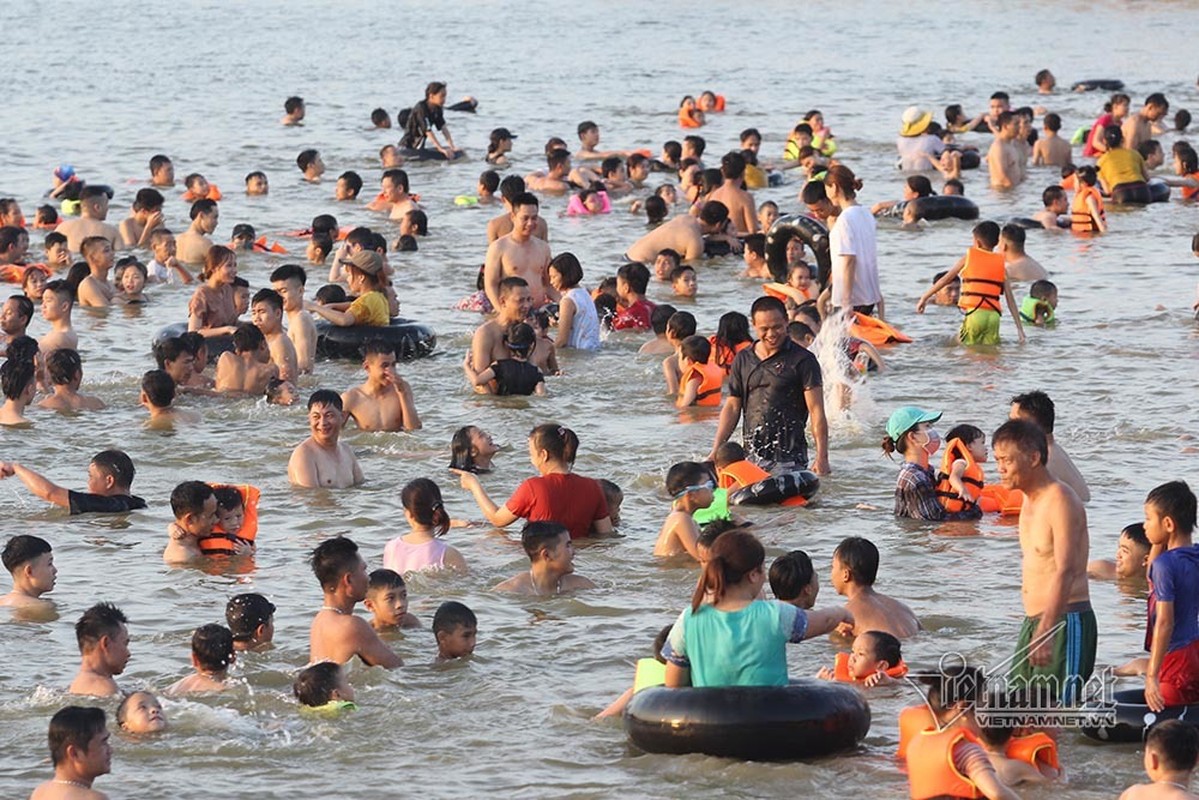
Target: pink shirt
<point>402,557</point>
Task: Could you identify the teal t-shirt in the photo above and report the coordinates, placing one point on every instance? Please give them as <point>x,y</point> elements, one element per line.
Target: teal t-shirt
<point>736,648</point>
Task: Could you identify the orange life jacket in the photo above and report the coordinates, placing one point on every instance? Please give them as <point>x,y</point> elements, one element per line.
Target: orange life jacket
<point>1081,219</point>
<point>723,355</point>
<point>49,226</point>
<point>719,103</point>
<point>740,474</point>
<point>1190,192</point>
<point>874,330</point>
<point>690,118</point>
<point>262,246</point>
<point>998,499</point>
<point>982,281</point>
<point>221,542</point>
<point>1070,182</point>
<point>1036,749</point>
<point>973,478</point>
<point>841,669</point>
<point>772,290</point>
<point>15,273</point>
<point>711,378</point>
<point>214,194</point>
<point>913,720</point>
<point>930,765</point>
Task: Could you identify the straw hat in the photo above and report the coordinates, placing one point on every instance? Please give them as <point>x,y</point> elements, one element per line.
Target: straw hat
<point>915,121</point>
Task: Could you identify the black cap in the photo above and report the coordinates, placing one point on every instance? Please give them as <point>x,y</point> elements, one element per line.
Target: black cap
<point>502,133</point>
<point>243,229</point>
<point>245,612</point>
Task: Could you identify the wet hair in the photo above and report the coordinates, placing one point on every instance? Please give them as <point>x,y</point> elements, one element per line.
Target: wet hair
<point>673,150</point>
<point>732,165</point>
<point>681,325</point>
<point>325,397</point>
<point>685,474</point>
<point>117,465</point>
<point>205,206</point>
<point>490,180</point>
<point>159,387</point>
<point>102,619</point>
<point>422,499</point>
<point>697,145</point>
<point>659,318</point>
<point>1039,407</point>
<point>843,178</point>
<point>511,284</point>
<point>228,499</point>
<point>92,244</point>
<point>799,332</point>
<point>921,185</point>
<point>813,192</point>
<point>379,116</point>
<point>860,557</point>
<point>790,574</point>
<point>696,348</point>
<point>512,186</point>
<point>586,126</point>
<point>525,199</point>
<point>728,453</point>
<point>680,271</point>
<point>520,338</point>
<point>1014,234</point>
<point>244,613</point>
<point>293,104</point>
<point>655,209</point>
<point>966,433</point>
<point>148,199</point>
<point>216,257</point>
<point>756,243</point>
<point>605,308</point>
<point>434,88</point>
<point>1136,533</point>
<point>23,548</point>
<point>159,161</point>
<point>955,184</point>
<point>74,726</point>
<point>1042,289</point>
<point>333,558</point>
<point>611,491</point>
<point>382,579</point>
<point>610,165</point>
<point>22,349</point>
<point>315,685</point>
<point>952,685</point>
<point>560,443</point>
<point>212,647</point>
<point>1119,98</point>
<point>711,180</point>
<point>247,338</point>
<point>15,377</point>
<point>765,305</point>
<point>1176,501</point>
<point>452,615</point>
<point>1051,195</point>
<point>1087,174</point>
<point>419,220</point>
<point>255,174</point>
<point>732,556</point>
<point>714,213</point>
<point>886,647</point>
<point>636,275</point>
<point>1176,743</point>
<point>189,497</point>
<point>268,297</point>
<point>24,306</point>
<point>569,268</point>
<point>1182,118</point>
<point>537,535</point>
<point>1027,437</point>
<point>306,159</point>
<point>1189,160</point>
<point>353,181</point>
<point>460,450</point>
<point>987,233</point>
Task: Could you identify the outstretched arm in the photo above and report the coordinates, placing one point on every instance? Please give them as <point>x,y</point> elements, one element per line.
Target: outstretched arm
<point>37,483</point>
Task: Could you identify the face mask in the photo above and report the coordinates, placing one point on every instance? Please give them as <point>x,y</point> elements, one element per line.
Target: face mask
<point>933,443</point>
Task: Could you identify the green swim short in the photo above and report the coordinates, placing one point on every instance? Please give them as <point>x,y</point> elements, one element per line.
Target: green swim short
<point>1073,658</point>
<point>980,327</point>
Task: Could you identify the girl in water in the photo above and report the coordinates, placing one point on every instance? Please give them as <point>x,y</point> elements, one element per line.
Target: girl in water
<point>910,433</point>
<point>472,449</point>
<point>578,321</point>
<point>422,549</point>
<point>212,311</point>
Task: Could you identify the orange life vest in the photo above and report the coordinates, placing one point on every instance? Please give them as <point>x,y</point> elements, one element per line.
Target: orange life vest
<point>1036,749</point>
<point>723,355</point>
<point>972,478</point>
<point>931,772</point>
<point>1070,182</point>
<point>740,474</point>
<point>772,290</point>
<point>711,378</point>
<point>214,194</point>
<point>1190,192</point>
<point>913,720</point>
<point>841,669</point>
<point>262,246</point>
<point>15,273</point>
<point>49,226</point>
<point>982,281</point>
<point>221,542</point>
<point>998,499</point>
<point>1081,219</point>
<point>874,330</point>
<point>690,118</point>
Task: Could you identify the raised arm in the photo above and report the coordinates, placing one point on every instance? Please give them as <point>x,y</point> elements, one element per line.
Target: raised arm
<point>498,516</point>
<point>37,483</point>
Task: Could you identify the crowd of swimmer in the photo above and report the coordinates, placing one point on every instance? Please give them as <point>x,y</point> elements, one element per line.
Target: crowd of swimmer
<point>531,293</point>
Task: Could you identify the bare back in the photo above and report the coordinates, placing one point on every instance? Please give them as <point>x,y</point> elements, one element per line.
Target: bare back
<point>681,234</point>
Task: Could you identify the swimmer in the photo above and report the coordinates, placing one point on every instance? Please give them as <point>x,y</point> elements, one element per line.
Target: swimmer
<point>658,320</point>
<point>93,200</point>
<point>311,166</point>
<point>487,344</point>
<point>414,223</point>
<point>109,478</point>
<point>103,640</point>
<point>140,713</point>
<point>589,136</point>
<point>489,184</point>
<point>349,184</point>
<point>195,508</point>
<point>1038,408</point>
<point>632,310</point>
<point>384,401</point>
<point>1138,127</point>
<point>1041,304</point>
<point>95,289</point>
<point>389,157</point>
<point>793,579</point>
<point>65,370</point>
<point>520,254</point>
<point>193,245</point>
<point>15,315</point>
<point>1171,753</point>
<point>512,187</point>
<point>1056,204</point>
<point>683,282</point>
<point>80,752</point>
<point>33,282</point>
<point>212,655</point>
<point>394,196</point>
<point>337,634</point>
<point>855,566</point>
<point>131,278</point>
<point>650,672</point>
<point>499,146</point>
<point>162,171</point>
<point>380,119</point>
<point>1131,563</point>
<point>702,377</point>
<point>144,217</point>
<point>873,660</point>
<point>768,214</point>
<point>321,461</point>
<point>247,370</point>
<point>30,561</point>
<point>266,312</point>
<point>754,256</point>
<point>1051,149</point>
<point>19,381</point>
<point>684,234</point>
<point>456,629</point>
<point>288,280</point>
<point>251,619</point>
<point>690,487</point>
<point>1005,159</point>
<point>293,111</point>
<point>513,375</point>
<point>164,267</point>
<point>324,687</point>
<point>551,558</point>
<point>679,326</point>
<point>257,184</point>
<point>998,737</point>
<point>1018,265</point>
<point>472,450</point>
<point>198,188</point>
<point>387,600</point>
<point>578,323</point>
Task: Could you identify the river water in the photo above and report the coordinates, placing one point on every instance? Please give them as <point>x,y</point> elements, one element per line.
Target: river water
<point>107,88</point>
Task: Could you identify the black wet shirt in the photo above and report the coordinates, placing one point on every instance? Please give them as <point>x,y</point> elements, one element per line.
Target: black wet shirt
<point>422,117</point>
<point>774,411</point>
<point>516,377</point>
<point>87,503</point>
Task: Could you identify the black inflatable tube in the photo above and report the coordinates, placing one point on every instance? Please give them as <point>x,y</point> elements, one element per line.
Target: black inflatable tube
<point>411,339</point>
<point>215,344</point>
<point>1133,718</point>
<point>1155,191</point>
<point>777,488</point>
<point>1027,223</point>
<point>806,719</point>
<point>945,206</point>
<point>970,159</point>
<point>1102,84</point>
<point>812,233</point>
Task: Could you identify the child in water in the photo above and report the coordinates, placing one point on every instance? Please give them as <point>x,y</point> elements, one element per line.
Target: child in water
<point>422,548</point>
<point>132,280</point>
<point>323,687</point>
<point>1132,557</point>
<point>141,713</point>
<point>387,599</point>
<point>1041,304</point>
<point>212,655</point>
<point>472,449</point>
<point>1171,752</point>
<point>793,579</point>
<point>514,375</point>
<point>690,486</point>
<point>874,659</point>
<point>456,629</point>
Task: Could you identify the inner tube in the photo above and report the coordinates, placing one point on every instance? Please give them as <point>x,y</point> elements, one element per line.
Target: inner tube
<point>1101,84</point>
<point>945,206</point>
<point>1141,193</point>
<point>715,248</point>
<point>215,344</point>
<point>777,488</point>
<point>470,105</point>
<point>411,339</point>
<point>811,232</point>
<point>1027,223</point>
<point>970,158</point>
<point>1132,718</point>
<point>806,719</point>
<point>427,154</point>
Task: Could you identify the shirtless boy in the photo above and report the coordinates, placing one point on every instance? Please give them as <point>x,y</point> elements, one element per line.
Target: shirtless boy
<point>30,561</point>
<point>93,210</point>
<point>248,369</point>
<point>1056,203</point>
<point>520,254</point>
<point>211,655</point>
<point>311,165</point>
<point>487,344</point>
<point>589,136</point>
<point>158,397</point>
<point>193,244</point>
<point>551,558</point>
<point>162,171</point>
<point>293,111</point>
<point>684,234</point>
<point>512,187</point>
<point>321,461</point>
<point>18,380</point>
<point>336,634</point>
<point>855,565</point>
<point>266,312</point>
<point>65,370</point>
<point>96,290</point>
<point>144,217</point>
<point>384,402</point>
<point>80,752</point>
<point>1018,265</point>
<point>1051,149</point>
<point>1005,160</point>
<point>288,281</point>
<point>742,209</point>
<point>1054,545</point>
<point>57,302</point>
<point>104,648</point>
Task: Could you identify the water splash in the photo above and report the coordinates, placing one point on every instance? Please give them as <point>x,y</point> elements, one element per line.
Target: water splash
<point>847,401</point>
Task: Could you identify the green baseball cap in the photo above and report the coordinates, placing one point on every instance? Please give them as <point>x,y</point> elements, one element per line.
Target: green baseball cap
<point>905,418</point>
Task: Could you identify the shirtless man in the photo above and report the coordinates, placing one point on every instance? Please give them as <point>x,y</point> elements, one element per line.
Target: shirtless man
<point>740,203</point>
<point>15,314</point>
<point>589,136</point>
<point>520,254</point>
<point>144,218</point>
<point>487,345</point>
<point>321,461</point>
<point>104,647</point>
<point>65,371</point>
<point>384,402</point>
<point>80,751</point>
<point>1005,160</point>
<point>248,369</point>
<point>158,397</point>
<point>1018,264</point>
<point>336,634</point>
<point>96,290</point>
<point>551,563</point>
<point>1054,546</point>
<point>289,281</point>
<point>556,177</point>
<point>93,210</point>
<point>684,234</point>
<point>266,312</point>
<point>1036,407</point>
<point>855,566</point>
<point>512,187</point>
<point>395,200</point>
<point>193,244</point>
<point>1138,127</point>
<point>1056,203</point>
<point>162,171</point>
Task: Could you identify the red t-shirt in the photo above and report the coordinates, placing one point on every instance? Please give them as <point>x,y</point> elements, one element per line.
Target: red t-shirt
<point>634,317</point>
<point>572,500</point>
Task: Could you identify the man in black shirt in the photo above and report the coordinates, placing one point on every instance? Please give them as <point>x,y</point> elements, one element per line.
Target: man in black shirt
<point>776,385</point>
<point>422,119</point>
<point>109,476</point>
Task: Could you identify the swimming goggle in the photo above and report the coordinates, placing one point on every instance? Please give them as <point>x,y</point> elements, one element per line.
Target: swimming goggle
<point>697,488</point>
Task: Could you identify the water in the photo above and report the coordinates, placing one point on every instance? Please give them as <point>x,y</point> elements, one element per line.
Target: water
<point>205,83</point>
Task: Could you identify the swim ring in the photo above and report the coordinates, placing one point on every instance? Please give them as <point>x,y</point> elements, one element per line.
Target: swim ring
<point>944,206</point>
<point>410,339</point>
<point>811,232</point>
<point>777,488</point>
<point>1132,718</point>
<point>1102,84</point>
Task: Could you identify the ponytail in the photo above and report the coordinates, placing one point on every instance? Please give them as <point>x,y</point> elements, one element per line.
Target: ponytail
<point>734,555</point>
<point>422,499</point>
<point>843,178</point>
<point>560,443</point>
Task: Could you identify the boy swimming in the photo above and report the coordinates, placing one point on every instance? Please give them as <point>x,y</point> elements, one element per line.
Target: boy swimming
<point>551,563</point>
<point>456,629</point>
<point>387,600</point>
<point>211,656</point>
<point>251,619</point>
<point>30,561</point>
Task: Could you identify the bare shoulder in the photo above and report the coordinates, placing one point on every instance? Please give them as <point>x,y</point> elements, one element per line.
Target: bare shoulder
<point>573,581</point>
<point>517,584</point>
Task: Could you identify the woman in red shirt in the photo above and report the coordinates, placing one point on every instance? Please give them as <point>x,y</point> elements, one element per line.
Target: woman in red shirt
<point>556,494</point>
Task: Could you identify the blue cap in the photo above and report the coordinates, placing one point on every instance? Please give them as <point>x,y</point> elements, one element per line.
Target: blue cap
<point>65,172</point>
<point>907,417</point>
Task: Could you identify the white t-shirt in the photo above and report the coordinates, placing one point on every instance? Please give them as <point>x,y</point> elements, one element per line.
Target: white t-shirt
<point>916,151</point>
<point>853,235</point>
